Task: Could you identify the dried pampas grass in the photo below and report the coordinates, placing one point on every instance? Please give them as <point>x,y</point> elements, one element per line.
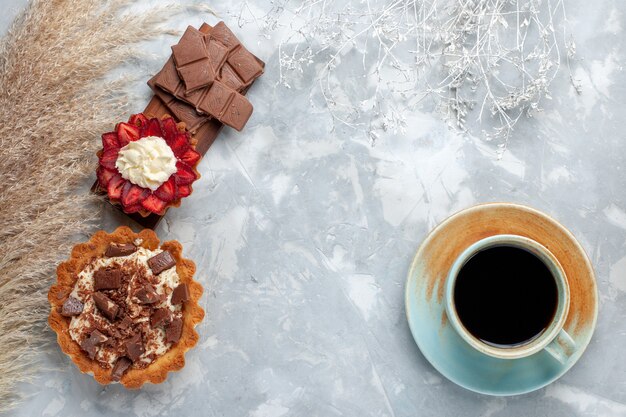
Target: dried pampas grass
<point>54,104</point>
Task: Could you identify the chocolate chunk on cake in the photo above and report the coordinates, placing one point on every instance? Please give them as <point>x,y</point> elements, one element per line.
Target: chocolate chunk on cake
<point>71,307</point>
<point>107,279</point>
<point>160,317</point>
<point>120,367</point>
<point>134,347</point>
<point>106,306</point>
<point>95,339</point>
<point>147,294</point>
<point>161,262</point>
<point>173,331</point>
<point>180,294</point>
<point>121,249</point>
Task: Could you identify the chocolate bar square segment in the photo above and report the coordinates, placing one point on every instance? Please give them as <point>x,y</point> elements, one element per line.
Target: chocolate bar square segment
<point>174,331</point>
<point>161,262</point>
<point>169,81</point>
<point>180,294</point>
<point>192,60</point>
<point>168,78</point>
<point>196,75</point>
<point>216,99</point>
<point>120,249</point>
<point>190,48</point>
<point>238,112</point>
<point>217,54</point>
<point>188,115</point>
<point>71,307</point>
<point>195,97</point>
<point>107,279</point>
<point>229,77</point>
<point>106,306</point>
<point>223,35</point>
<point>245,64</point>
<point>120,367</point>
<point>182,111</point>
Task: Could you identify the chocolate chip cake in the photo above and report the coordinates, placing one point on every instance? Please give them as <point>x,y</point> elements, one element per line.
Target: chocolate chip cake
<point>124,308</point>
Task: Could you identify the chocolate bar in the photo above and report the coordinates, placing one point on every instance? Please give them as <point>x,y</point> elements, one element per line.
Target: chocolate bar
<point>168,80</point>
<point>200,57</point>
<point>190,72</point>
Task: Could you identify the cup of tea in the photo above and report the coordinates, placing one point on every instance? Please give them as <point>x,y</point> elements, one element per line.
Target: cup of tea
<point>507,296</point>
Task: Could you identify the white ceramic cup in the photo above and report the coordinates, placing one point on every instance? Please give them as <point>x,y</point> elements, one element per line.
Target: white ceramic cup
<point>553,339</point>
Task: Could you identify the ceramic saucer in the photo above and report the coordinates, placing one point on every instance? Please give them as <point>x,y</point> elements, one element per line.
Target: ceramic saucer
<point>425,308</point>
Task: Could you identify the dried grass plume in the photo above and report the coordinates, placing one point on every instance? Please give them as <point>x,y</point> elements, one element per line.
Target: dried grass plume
<point>54,104</point>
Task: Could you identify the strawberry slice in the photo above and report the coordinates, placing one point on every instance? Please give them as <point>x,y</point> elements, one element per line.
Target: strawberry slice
<point>115,186</point>
<point>104,176</point>
<point>108,158</point>
<point>133,194</point>
<point>132,209</point>
<point>183,191</point>
<point>179,143</point>
<point>109,141</point>
<point>190,157</point>
<point>127,133</point>
<point>184,174</point>
<point>154,204</point>
<point>152,128</point>
<point>138,120</point>
<point>167,190</point>
<point>170,129</point>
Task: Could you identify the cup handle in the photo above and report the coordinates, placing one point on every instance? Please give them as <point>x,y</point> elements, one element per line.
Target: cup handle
<point>562,347</point>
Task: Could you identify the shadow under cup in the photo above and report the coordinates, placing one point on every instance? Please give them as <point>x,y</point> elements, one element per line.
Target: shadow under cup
<point>508,297</point>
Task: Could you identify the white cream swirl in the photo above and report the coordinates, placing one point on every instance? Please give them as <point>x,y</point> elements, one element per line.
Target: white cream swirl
<point>147,162</point>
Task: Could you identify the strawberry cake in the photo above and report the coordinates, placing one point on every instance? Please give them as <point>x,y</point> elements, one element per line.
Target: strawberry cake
<point>147,164</point>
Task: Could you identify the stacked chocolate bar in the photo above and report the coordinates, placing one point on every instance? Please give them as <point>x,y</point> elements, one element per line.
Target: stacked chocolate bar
<point>206,78</point>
